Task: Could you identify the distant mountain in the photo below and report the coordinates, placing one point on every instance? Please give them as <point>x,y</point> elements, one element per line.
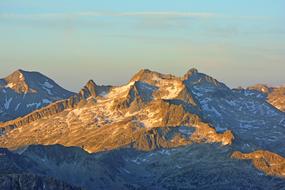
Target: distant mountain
<point>23,92</point>
<point>273,95</point>
<point>19,172</point>
<point>151,111</point>
<point>199,166</point>
<point>197,115</point>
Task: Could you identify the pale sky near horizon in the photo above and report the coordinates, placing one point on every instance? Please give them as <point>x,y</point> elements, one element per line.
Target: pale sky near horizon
<point>237,42</point>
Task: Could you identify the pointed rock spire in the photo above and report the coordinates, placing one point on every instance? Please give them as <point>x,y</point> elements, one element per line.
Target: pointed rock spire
<point>89,89</point>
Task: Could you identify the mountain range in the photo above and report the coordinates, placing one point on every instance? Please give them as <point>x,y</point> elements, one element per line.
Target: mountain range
<point>158,131</point>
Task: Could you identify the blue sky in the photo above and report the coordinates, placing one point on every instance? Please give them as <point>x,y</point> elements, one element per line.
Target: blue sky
<point>238,42</point>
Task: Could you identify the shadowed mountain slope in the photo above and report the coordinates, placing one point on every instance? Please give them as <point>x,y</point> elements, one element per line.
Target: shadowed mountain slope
<point>23,92</point>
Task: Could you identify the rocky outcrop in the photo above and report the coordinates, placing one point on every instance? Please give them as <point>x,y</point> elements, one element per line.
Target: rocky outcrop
<point>91,89</point>
<point>261,88</point>
<point>277,98</point>
<point>268,162</point>
<point>205,133</point>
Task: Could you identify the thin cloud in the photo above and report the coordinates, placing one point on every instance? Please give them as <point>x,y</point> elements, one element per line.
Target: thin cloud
<point>109,14</point>
<point>170,14</point>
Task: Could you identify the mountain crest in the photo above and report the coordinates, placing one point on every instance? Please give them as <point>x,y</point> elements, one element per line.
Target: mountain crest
<point>260,87</point>
<point>190,72</point>
<point>23,92</point>
<point>17,82</point>
<point>89,90</point>
<point>149,76</point>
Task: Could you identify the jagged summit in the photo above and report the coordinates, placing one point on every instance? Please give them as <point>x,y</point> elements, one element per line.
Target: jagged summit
<point>18,82</point>
<point>260,87</point>
<point>89,89</point>
<point>20,75</point>
<point>91,83</point>
<point>190,72</point>
<point>140,74</point>
<point>163,80</point>
<point>147,75</point>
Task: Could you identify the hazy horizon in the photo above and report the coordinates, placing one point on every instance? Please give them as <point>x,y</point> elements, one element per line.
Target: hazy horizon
<point>240,43</point>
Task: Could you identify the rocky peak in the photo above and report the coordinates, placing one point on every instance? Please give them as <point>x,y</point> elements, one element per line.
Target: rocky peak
<point>140,74</point>
<point>190,72</point>
<point>17,81</point>
<point>195,78</point>
<point>150,77</point>
<point>261,88</point>
<point>89,89</point>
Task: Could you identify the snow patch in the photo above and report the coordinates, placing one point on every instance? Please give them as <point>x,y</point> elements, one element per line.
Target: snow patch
<point>126,171</point>
<point>103,93</point>
<point>121,91</point>
<point>17,107</point>
<point>37,105</point>
<point>21,77</point>
<point>48,90</point>
<point>48,85</point>
<point>7,103</point>
<point>165,152</point>
<point>231,102</point>
<point>46,101</point>
<point>173,92</point>
<point>186,130</point>
<point>172,87</point>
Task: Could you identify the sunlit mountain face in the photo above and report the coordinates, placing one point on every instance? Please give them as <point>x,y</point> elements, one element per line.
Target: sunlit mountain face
<point>157,131</point>
<point>105,95</point>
